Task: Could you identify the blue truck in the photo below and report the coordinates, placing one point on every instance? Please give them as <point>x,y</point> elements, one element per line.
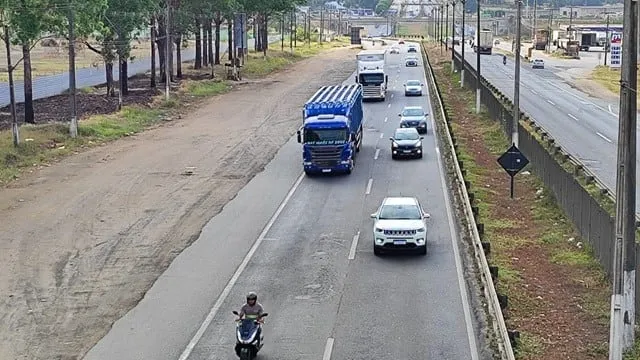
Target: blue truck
<point>331,133</point>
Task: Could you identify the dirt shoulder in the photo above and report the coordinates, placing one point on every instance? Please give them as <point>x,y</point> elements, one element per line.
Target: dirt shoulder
<point>84,239</point>
<point>558,298</point>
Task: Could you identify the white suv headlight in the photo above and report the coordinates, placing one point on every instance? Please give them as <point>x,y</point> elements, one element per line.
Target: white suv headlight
<point>421,230</point>
<point>379,230</point>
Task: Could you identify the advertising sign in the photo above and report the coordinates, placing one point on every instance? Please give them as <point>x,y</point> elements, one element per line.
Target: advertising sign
<point>240,40</point>
<point>616,50</point>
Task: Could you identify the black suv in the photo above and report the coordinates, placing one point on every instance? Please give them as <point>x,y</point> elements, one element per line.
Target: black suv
<point>406,142</point>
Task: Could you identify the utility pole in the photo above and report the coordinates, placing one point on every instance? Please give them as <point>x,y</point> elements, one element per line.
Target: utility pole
<point>606,42</point>
<point>548,47</point>
<point>462,46</point>
<point>73,127</point>
<point>15,129</point>
<point>167,49</point>
<point>535,13</point>
<point>624,264</point>
<point>453,36</point>
<point>282,32</point>
<point>321,24</point>
<point>446,27</point>
<point>516,91</point>
<point>478,82</point>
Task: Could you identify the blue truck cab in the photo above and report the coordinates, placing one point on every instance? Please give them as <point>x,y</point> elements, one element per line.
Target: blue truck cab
<point>331,132</point>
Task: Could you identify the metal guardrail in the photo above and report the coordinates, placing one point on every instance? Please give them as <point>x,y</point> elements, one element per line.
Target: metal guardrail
<point>494,308</point>
<point>580,168</point>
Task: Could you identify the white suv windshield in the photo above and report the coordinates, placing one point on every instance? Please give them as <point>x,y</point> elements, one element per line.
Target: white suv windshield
<point>400,212</point>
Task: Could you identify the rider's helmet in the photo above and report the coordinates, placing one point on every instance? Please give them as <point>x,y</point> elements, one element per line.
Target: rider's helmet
<point>252,296</point>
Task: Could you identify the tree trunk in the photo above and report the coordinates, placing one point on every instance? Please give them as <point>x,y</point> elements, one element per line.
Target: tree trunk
<point>178,41</point>
<point>265,34</point>
<point>198,62</point>
<point>210,37</point>
<point>161,42</point>
<point>206,60</point>
<point>29,116</point>
<point>256,46</point>
<point>153,54</point>
<point>122,78</point>
<point>230,38</point>
<point>218,22</point>
<point>108,68</point>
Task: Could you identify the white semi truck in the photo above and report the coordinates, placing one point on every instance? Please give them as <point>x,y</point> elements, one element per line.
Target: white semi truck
<point>371,74</point>
<point>484,42</point>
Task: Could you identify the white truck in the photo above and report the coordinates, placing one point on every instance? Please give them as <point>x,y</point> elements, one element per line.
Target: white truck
<point>371,74</point>
<point>484,42</point>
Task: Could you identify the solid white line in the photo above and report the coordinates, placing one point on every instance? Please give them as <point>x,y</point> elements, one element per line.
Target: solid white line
<point>473,347</point>
<point>604,137</point>
<point>354,246</point>
<point>573,117</point>
<point>438,151</point>
<point>375,157</point>
<point>369,187</point>
<point>328,349</point>
<point>227,289</point>
<point>551,102</point>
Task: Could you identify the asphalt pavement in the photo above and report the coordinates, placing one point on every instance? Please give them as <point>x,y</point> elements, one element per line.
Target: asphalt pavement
<point>47,86</point>
<point>305,245</point>
<point>584,126</point>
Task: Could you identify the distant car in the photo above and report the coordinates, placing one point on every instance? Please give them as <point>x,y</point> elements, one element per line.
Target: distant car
<point>400,224</point>
<point>413,87</point>
<point>496,42</point>
<point>401,42</point>
<point>411,61</point>
<point>414,117</point>
<point>412,49</point>
<point>406,142</point>
<point>394,50</point>
<point>537,64</point>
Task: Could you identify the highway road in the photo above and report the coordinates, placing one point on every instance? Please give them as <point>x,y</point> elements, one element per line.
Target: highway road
<point>47,86</point>
<point>584,126</point>
<point>305,245</point>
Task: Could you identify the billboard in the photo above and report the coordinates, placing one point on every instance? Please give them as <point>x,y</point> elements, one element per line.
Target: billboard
<point>616,50</point>
<point>240,40</point>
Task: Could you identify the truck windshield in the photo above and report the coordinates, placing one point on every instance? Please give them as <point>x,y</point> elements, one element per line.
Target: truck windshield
<point>371,79</point>
<point>326,136</point>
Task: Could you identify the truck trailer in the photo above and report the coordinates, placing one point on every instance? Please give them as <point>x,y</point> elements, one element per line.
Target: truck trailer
<point>484,42</point>
<point>371,74</point>
<point>331,132</point>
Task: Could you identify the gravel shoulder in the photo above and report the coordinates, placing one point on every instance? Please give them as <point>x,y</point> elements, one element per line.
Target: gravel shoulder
<point>85,238</point>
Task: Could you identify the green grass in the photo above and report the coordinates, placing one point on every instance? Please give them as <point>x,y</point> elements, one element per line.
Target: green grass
<point>207,88</point>
<point>529,345</point>
<point>43,144</point>
<point>607,77</point>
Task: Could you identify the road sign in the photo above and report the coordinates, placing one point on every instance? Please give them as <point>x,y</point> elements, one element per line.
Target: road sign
<point>513,161</point>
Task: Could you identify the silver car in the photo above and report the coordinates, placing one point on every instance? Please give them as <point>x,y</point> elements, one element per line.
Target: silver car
<point>411,61</point>
<point>413,87</point>
<point>414,117</point>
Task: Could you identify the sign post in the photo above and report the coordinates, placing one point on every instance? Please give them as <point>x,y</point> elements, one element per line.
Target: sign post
<point>513,161</point>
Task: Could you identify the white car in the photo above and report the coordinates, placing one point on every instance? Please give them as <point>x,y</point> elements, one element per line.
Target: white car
<point>413,87</point>
<point>537,64</point>
<point>400,224</point>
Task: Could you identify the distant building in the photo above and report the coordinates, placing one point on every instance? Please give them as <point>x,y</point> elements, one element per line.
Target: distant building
<point>586,12</point>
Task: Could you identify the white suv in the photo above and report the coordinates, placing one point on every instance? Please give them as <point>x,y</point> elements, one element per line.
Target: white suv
<point>400,223</point>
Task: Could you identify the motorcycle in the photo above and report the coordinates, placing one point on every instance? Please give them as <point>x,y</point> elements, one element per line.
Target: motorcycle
<point>249,337</point>
<point>504,60</point>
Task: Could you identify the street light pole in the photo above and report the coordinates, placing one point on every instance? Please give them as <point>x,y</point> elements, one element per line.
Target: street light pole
<point>516,91</point>
<point>606,42</point>
<point>453,36</point>
<point>462,45</point>
<point>478,82</point>
<point>446,26</point>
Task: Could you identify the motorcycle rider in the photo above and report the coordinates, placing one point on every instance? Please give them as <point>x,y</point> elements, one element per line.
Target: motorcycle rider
<point>252,309</point>
<point>504,59</point>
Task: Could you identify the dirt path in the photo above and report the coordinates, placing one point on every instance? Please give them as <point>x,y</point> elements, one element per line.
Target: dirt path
<point>83,240</point>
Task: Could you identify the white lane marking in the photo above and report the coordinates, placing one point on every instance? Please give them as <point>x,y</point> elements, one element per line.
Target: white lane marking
<point>354,246</point>
<point>381,135</point>
<point>392,95</point>
<point>533,91</point>
<point>227,289</point>
<point>473,347</point>
<point>573,117</point>
<point>611,111</point>
<point>604,137</point>
<point>389,105</point>
<point>369,184</point>
<point>385,119</point>
<point>375,157</point>
<point>438,151</point>
<point>579,98</point>
<point>328,348</point>
<point>551,102</point>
